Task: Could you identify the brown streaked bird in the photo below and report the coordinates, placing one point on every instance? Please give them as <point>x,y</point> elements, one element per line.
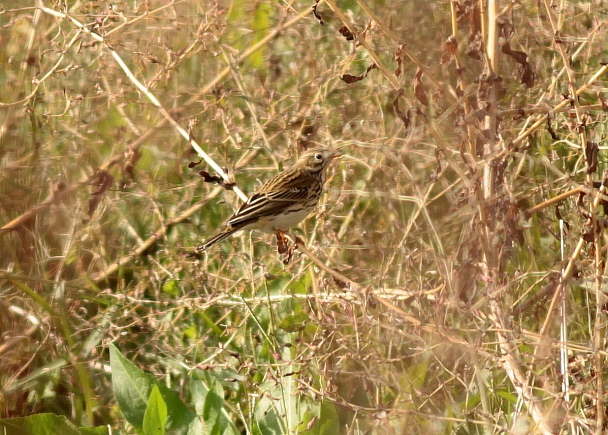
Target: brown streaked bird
<point>283,201</point>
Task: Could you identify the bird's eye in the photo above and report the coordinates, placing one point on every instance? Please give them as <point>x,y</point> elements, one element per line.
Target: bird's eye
<point>319,156</point>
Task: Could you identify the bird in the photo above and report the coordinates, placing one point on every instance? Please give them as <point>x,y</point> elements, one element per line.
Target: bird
<point>283,201</point>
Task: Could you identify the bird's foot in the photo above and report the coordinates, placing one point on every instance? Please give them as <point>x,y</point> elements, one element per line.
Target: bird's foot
<point>284,248</point>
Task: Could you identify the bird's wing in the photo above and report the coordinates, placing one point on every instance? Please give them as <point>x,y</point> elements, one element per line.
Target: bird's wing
<point>267,203</point>
<point>291,179</point>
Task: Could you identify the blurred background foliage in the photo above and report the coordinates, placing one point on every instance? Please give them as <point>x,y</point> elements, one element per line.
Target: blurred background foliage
<point>101,208</point>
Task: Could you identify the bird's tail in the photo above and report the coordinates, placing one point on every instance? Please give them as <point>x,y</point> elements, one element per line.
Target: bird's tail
<point>217,238</point>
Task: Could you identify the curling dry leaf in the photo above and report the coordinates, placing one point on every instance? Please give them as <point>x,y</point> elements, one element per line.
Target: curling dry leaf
<point>316,13</point>
<point>208,178</point>
<point>193,164</point>
<point>475,47</point>
<point>526,71</point>
<point>418,89</point>
<point>399,60</point>
<point>449,49</point>
<point>591,152</point>
<point>554,135</point>
<point>348,35</point>
<point>438,154</point>
<point>103,180</point>
<point>403,116</point>
<point>527,75</point>
<point>133,156</point>
<point>349,79</point>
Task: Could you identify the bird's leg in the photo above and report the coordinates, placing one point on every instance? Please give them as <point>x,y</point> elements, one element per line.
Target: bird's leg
<point>296,242</point>
<point>291,249</point>
<point>282,245</point>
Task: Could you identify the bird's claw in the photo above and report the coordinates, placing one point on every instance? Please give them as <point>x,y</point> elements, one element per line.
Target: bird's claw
<point>284,248</point>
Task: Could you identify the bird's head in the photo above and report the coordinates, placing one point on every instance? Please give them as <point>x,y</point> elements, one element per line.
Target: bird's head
<point>318,159</point>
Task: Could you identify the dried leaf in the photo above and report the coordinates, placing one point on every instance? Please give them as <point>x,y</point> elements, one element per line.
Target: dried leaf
<point>207,178</point>
<point>475,46</point>
<point>399,60</point>
<point>418,89</point>
<point>193,164</point>
<point>580,204</point>
<point>316,14</point>
<point>133,156</point>
<point>588,235</point>
<point>311,423</point>
<point>486,82</point>
<point>526,72</point>
<point>341,284</point>
<point>519,56</point>
<point>506,29</point>
<point>103,180</point>
<point>344,31</point>
<point>438,154</point>
<point>527,75</point>
<point>499,172</point>
<point>405,117</point>
<point>449,49</point>
<point>349,79</point>
<point>521,113</point>
<point>554,135</point>
<point>591,152</point>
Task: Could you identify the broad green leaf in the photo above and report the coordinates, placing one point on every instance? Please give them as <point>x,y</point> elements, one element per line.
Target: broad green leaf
<point>208,398</point>
<point>45,424</point>
<point>155,418</point>
<point>132,388</point>
<point>294,322</point>
<point>329,421</point>
<point>214,401</point>
<point>171,288</point>
<point>261,23</point>
<point>267,419</point>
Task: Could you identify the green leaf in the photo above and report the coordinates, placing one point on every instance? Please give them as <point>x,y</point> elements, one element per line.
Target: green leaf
<point>171,288</point>
<point>133,387</point>
<point>155,418</point>
<point>214,401</point>
<point>45,424</point>
<point>260,25</point>
<point>418,373</point>
<point>191,332</point>
<point>329,421</point>
<point>511,398</point>
<point>294,322</point>
<point>208,398</point>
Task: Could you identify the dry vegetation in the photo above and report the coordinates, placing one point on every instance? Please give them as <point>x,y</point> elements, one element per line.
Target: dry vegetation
<point>428,297</point>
